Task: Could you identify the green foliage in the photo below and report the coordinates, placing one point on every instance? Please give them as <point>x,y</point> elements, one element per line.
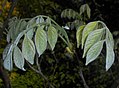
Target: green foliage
<point>43,30</point>
<point>93,38</point>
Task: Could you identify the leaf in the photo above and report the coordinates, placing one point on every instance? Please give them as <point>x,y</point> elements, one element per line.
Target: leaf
<point>110,56</point>
<point>28,49</point>
<point>109,38</point>
<point>88,28</point>
<point>30,33</point>
<point>5,52</point>
<point>88,10</point>
<point>82,9</point>
<point>8,64</point>
<point>40,40</point>
<point>52,36</point>
<point>79,35</point>
<point>62,34</point>
<point>92,38</point>
<point>18,58</point>
<point>94,52</point>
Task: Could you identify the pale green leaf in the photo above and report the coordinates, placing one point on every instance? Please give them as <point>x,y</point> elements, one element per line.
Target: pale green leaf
<point>30,33</point>
<point>40,40</point>
<point>28,49</point>
<point>5,52</point>
<point>8,63</point>
<point>94,52</point>
<point>79,35</point>
<point>88,28</point>
<point>52,36</point>
<point>110,56</point>
<point>18,58</point>
<point>109,38</point>
<point>82,9</point>
<point>92,38</point>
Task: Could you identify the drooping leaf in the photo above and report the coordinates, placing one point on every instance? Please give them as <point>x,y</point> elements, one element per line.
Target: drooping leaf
<point>52,36</point>
<point>18,58</point>
<point>5,52</point>
<point>110,56</point>
<point>8,63</point>
<point>88,28</point>
<point>62,34</point>
<point>28,49</point>
<point>79,35</point>
<point>40,40</point>
<point>92,38</point>
<point>109,38</point>
<point>94,52</point>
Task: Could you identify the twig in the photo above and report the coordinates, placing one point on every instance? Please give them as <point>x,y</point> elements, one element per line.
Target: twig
<point>40,72</point>
<point>35,70</point>
<point>81,73</point>
<point>82,77</point>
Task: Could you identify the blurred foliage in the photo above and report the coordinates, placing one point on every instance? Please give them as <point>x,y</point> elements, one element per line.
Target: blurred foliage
<point>4,9</point>
<point>63,69</point>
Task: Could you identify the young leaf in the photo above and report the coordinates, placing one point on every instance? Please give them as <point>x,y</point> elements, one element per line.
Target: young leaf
<point>41,20</point>
<point>8,64</point>
<point>40,40</point>
<point>52,36</point>
<point>28,49</point>
<point>37,20</point>
<point>88,28</point>
<point>18,58</point>
<point>94,52</point>
<point>92,38</point>
<point>79,35</point>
